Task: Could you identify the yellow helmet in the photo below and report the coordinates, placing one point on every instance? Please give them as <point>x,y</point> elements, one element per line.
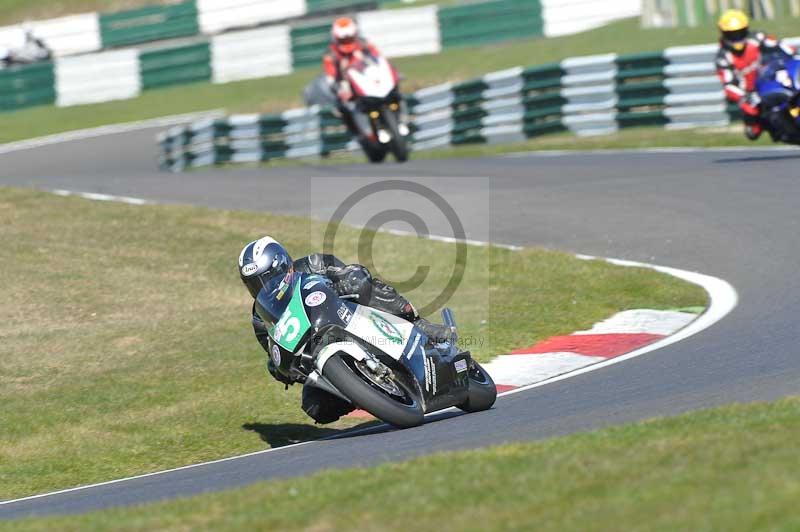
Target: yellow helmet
<point>735,27</point>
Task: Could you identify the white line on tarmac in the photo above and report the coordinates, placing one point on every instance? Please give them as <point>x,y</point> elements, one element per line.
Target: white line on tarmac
<point>103,197</point>
<point>113,129</point>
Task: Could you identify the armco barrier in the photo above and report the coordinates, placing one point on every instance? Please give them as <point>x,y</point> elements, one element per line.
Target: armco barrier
<point>97,78</point>
<point>403,32</point>
<point>152,23</point>
<point>175,66</point>
<point>91,32</point>
<point>487,22</point>
<point>566,17</point>
<point>593,95</point>
<point>26,86</point>
<point>271,50</point>
<point>240,55</point>
<point>76,34</point>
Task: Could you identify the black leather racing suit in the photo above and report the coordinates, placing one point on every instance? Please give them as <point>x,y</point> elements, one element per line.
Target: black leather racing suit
<point>348,280</point>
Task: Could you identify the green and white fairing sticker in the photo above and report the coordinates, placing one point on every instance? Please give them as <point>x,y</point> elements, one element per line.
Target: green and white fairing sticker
<point>388,333</point>
<point>292,324</point>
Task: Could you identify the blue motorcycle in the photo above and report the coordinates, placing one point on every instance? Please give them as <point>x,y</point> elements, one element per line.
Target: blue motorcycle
<point>778,85</point>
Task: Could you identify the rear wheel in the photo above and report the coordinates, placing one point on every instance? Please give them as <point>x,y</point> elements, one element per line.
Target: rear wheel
<point>482,390</point>
<point>386,397</point>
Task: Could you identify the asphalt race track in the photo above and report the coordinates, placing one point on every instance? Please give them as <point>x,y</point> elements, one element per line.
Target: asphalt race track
<point>729,214</point>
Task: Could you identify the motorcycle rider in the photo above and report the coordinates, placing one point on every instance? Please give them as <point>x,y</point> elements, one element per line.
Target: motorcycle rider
<point>29,49</point>
<point>345,47</point>
<point>264,261</point>
<point>738,60</point>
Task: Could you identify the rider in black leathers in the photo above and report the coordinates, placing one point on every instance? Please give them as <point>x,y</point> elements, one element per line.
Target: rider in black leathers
<point>271,260</point>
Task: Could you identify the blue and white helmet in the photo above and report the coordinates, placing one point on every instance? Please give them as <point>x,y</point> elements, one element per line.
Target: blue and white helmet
<point>262,261</point>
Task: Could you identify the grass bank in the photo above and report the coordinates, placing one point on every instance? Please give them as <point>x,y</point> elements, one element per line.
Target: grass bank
<point>280,93</point>
<point>732,468</point>
<point>126,339</point>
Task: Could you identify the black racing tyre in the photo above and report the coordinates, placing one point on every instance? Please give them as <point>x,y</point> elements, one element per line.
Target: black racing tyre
<point>402,412</point>
<point>400,149</point>
<point>482,391</point>
<point>375,152</point>
<point>398,146</point>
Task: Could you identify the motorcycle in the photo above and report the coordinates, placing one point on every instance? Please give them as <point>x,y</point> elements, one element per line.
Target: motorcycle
<point>30,50</point>
<point>376,361</point>
<point>375,86</point>
<point>778,86</point>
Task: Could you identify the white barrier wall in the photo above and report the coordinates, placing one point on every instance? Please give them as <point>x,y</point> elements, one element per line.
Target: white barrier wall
<point>251,54</point>
<point>565,17</point>
<point>97,78</point>
<point>403,32</point>
<point>75,34</point>
<point>215,16</point>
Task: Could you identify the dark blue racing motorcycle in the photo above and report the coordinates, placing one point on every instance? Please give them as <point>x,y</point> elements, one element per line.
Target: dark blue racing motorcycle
<point>778,85</point>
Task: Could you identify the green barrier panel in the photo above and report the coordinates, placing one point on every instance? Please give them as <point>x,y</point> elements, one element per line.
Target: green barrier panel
<point>641,65</point>
<point>486,22</point>
<point>642,118</point>
<point>26,86</point>
<point>152,23</point>
<point>544,127</point>
<point>309,44</point>
<point>174,66</point>
<point>542,77</point>
<point>317,7</point>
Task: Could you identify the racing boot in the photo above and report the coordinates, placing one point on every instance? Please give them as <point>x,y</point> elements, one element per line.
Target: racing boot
<point>753,131</point>
<point>437,334</point>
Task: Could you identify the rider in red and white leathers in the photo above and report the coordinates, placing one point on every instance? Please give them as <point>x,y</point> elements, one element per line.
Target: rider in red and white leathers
<point>738,60</point>
<point>345,47</point>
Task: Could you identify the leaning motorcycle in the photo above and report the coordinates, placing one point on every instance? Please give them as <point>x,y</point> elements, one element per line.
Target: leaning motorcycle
<point>377,108</point>
<point>778,86</point>
<point>376,361</point>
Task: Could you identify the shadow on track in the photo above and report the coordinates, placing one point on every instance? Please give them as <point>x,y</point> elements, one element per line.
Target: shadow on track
<point>280,434</point>
<point>756,159</point>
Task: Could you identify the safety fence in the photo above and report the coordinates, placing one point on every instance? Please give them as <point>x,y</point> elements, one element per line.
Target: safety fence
<point>91,32</point>
<point>594,95</point>
<point>271,50</point>
<point>672,13</point>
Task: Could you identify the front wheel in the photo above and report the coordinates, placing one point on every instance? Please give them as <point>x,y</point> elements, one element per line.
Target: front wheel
<point>398,144</point>
<point>375,152</point>
<point>387,398</point>
<point>482,390</point>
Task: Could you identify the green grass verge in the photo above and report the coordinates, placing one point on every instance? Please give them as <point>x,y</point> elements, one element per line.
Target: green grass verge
<point>279,93</point>
<point>136,353</point>
<point>731,468</point>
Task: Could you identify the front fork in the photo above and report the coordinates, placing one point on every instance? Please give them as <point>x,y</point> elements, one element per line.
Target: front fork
<point>382,129</point>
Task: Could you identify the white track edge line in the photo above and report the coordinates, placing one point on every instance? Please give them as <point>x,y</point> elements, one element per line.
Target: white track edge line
<point>111,129</point>
<point>722,294</point>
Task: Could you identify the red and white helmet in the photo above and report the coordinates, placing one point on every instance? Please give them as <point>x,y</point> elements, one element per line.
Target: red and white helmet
<point>345,35</point>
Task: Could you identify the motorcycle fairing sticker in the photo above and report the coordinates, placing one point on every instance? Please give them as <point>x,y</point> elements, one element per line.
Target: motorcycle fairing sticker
<point>388,333</point>
<point>292,324</point>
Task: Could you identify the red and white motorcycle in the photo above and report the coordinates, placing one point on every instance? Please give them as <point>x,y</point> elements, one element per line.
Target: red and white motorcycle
<point>377,108</point>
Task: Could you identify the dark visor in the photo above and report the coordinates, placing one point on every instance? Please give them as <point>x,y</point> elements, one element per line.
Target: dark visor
<point>735,36</point>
